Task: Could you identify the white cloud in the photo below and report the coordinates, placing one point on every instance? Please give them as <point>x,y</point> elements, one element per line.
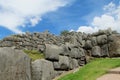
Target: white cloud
<point>110,19</point>
<point>87,29</point>
<point>34,21</point>
<point>16,13</point>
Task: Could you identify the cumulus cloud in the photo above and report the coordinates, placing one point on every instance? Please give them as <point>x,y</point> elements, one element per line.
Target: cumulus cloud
<point>15,14</point>
<point>110,19</point>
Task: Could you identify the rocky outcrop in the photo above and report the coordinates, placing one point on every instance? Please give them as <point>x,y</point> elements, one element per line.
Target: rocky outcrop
<point>62,53</point>
<point>14,65</point>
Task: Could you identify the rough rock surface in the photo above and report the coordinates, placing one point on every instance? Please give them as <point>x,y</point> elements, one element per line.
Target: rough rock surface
<point>14,65</point>
<point>114,47</point>
<point>63,52</point>
<point>52,52</point>
<point>42,70</point>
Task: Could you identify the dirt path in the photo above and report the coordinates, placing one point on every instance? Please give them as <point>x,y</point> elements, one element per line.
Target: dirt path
<point>65,73</point>
<point>113,74</point>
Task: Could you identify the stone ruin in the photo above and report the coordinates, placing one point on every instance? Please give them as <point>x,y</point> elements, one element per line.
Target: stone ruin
<point>62,53</point>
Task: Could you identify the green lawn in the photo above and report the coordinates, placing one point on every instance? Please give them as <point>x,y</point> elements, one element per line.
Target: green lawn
<point>93,70</point>
<point>34,54</point>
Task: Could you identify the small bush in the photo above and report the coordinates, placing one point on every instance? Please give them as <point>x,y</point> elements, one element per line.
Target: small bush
<point>64,33</point>
<point>34,54</point>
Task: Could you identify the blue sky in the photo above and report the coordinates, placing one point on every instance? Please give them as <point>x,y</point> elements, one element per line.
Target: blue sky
<point>57,16</point>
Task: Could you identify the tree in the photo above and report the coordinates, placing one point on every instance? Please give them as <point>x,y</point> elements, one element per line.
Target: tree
<point>64,32</point>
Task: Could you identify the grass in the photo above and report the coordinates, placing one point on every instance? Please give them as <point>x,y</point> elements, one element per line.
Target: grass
<point>34,54</point>
<point>93,70</point>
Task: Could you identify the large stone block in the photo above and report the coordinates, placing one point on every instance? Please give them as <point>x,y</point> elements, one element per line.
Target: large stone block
<point>88,44</point>
<point>94,41</point>
<point>104,51</point>
<point>42,70</point>
<point>73,63</point>
<point>14,65</point>
<point>52,52</point>
<point>114,46</point>
<point>96,51</point>
<point>64,62</point>
<point>102,39</point>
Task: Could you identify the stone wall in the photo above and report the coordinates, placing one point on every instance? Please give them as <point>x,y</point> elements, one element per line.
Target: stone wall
<point>62,53</point>
<point>95,45</point>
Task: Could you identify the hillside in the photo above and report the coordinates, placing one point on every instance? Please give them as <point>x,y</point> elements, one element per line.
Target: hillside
<point>50,55</point>
<point>93,70</point>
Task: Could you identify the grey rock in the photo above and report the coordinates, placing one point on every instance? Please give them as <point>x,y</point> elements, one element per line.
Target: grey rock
<point>104,51</point>
<point>110,38</point>
<point>75,53</point>
<point>57,73</point>
<point>114,47</point>
<point>83,44</point>
<point>66,49</point>
<point>81,52</point>
<point>88,44</point>
<point>84,36</point>
<point>94,41</point>
<point>15,65</point>
<point>56,65</point>
<point>82,61</point>
<point>102,39</point>
<point>96,51</point>
<point>52,52</point>
<point>41,48</point>
<point>73,63</point>
<point>42,70</point>
<point>64,62</point>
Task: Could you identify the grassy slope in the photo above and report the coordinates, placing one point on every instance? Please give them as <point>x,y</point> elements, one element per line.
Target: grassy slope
<point>33,54</point>
<point>93,70</point>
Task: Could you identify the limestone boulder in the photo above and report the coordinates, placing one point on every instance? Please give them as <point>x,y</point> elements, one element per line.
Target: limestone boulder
<point>52,52</point>
<point>14,65</point>
<point>88,44</point>
<point>56,65</point>
<point>64,62</point>
<point>102,39</point>
<point>96,51</point>
<point>114,47</point>
<point>104,51</point>
<point>94,41</point>
<point>42,70</point>
<point>73,63</point>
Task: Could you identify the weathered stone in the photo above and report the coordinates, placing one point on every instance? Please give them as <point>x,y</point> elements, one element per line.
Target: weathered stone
<point>41,48</point>
<point>52,52</point>
<point>88,44</point>
<point>82,61</point>
<point>103,32</point>
<point>102,39</point>
<point>83,44</point>
<point>73,63</point>
<point>15,65</point>
<point>110,38</point>
<point>58,73</point>
<point>94,41</point>
<point>104,51</point>
<point>81,52</point>
<point>66,49</point>
<point>42,70</point>
<point>114,47</point>
<point>96,51</point>
<point>84,36</point>
<point>75,53</point>
<point>56,65</point>
<point>64,62</point>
